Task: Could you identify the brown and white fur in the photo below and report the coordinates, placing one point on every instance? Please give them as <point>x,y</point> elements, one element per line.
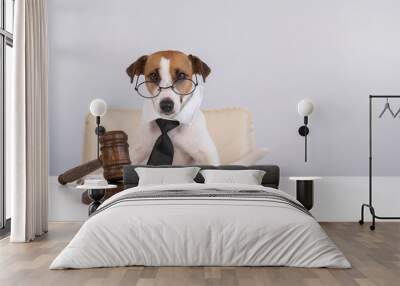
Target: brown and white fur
<point>192,142</point>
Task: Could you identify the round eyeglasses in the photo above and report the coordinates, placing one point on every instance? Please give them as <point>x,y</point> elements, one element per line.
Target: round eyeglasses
<point>151,89</point>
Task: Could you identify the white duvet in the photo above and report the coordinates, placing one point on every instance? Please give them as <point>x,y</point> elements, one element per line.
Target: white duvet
<point>200,231</point>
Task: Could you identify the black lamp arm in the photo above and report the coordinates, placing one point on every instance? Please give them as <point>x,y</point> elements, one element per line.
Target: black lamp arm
<point>303,131</point>
<point>100,130</point>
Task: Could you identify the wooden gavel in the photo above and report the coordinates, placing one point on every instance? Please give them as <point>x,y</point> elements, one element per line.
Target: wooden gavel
<point>114,155</point>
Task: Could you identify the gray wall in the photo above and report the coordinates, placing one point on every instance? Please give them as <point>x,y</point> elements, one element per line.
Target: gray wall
<point>264,55</point>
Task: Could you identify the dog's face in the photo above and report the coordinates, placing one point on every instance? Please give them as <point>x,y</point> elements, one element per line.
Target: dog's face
<point>164,69</point>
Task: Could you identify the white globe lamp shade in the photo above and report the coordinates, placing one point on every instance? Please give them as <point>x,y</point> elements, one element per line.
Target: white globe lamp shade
<point>98,107</point>
<point>305,107</point>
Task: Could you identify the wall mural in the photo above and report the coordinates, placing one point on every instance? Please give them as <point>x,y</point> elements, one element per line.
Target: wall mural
<point>172,105</point>
<point>172,128</point>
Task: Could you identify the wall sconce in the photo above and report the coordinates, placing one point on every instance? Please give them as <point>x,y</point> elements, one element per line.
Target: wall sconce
<point>305,108</point>
<point>98,108</point>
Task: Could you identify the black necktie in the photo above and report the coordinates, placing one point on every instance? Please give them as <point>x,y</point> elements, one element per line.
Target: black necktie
<point>163,150</point>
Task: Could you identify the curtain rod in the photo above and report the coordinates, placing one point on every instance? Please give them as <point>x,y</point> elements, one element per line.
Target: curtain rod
<point>384,96</point>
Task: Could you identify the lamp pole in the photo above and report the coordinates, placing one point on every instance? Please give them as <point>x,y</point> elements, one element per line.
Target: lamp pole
<point>305,108</point>
<point>98,136</point>
<point>305,138</point>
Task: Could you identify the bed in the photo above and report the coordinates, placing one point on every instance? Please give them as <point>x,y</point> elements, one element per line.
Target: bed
<point>198,224</point>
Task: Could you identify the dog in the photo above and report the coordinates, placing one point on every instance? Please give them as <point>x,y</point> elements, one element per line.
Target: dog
<point>191,139</point>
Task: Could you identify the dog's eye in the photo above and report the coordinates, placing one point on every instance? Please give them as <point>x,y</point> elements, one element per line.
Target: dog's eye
<point>181,76</point>
<point>153,77</point>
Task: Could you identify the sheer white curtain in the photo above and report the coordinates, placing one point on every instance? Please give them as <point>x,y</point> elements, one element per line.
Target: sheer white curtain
<point>28,148</point>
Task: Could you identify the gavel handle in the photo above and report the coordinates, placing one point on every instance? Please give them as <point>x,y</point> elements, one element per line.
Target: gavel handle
<point>79,171</point>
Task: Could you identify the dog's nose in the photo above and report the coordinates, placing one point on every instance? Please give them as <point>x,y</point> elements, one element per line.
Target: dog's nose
<point>166,105</point>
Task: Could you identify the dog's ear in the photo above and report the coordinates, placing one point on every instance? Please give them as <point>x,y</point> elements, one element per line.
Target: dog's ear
<point>136,68</point>
<point>199,67</point>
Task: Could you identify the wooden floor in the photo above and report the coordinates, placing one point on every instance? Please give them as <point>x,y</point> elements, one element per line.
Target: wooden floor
<point>375,257</point>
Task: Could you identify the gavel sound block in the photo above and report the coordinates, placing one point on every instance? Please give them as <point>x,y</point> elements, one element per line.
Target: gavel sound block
<point>114,155</point>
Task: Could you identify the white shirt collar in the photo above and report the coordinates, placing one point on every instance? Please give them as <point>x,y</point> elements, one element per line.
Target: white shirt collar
<point>185,116</point>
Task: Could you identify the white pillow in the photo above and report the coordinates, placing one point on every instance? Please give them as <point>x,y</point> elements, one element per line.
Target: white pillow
<point>163,176</point>
<point>248,177</point>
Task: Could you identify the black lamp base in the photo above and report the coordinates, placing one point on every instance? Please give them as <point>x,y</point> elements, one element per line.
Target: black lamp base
<point>304,131</point>
<point>100,130</point>
<point>305,193</point>
<point>96,195</point>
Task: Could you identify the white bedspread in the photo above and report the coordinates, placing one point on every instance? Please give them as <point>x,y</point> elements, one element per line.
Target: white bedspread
<point>200,231</point>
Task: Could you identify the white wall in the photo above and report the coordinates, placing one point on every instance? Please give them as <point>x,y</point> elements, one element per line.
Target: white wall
<point>264,55</point>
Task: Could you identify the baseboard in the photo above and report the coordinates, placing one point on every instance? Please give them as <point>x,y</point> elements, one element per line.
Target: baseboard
<point>5,231</point>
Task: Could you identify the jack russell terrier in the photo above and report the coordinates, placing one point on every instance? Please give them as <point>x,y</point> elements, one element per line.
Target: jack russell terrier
<point>173,95</point>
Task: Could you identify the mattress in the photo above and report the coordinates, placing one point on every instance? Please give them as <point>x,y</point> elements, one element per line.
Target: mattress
<point>201,225</point>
